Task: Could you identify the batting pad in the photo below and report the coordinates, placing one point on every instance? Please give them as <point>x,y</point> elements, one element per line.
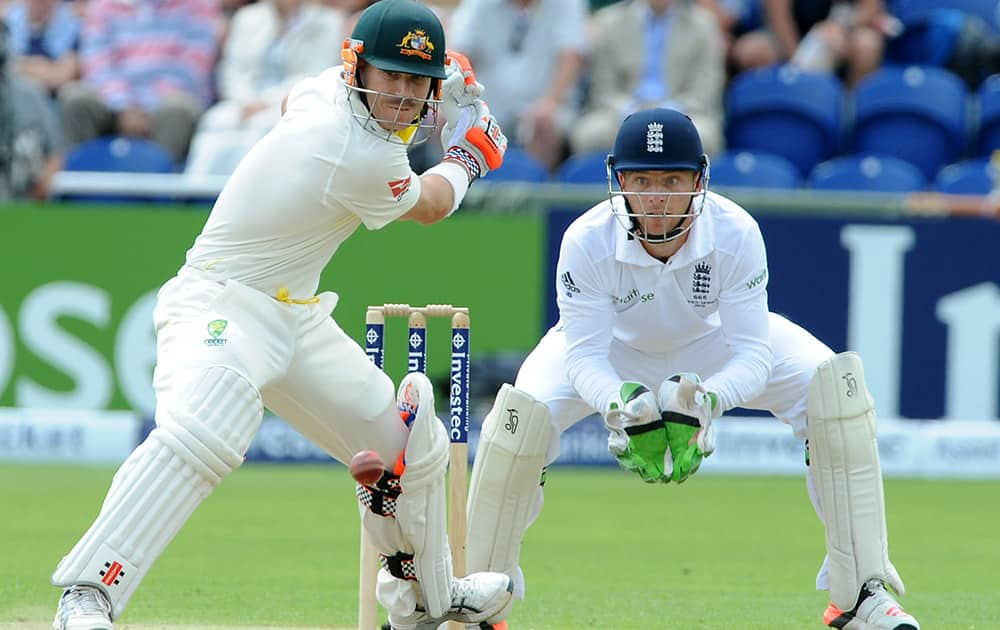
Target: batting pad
<point>200,438</point>
<point>506,480</point>
<point>845,466</point>
<point>421,509</point>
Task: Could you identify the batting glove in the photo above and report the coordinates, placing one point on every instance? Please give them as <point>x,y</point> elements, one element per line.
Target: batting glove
<point>637,437</point>
<point>460,87</point>
<point>687,411</point>
<point>474,139</point>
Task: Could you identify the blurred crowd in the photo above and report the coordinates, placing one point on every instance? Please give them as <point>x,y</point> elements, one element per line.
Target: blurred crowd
<point>203,79</point>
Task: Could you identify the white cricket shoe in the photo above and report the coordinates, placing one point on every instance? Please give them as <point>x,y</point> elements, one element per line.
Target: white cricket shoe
<point>474,598</point>
<point>876,610</point>
<point>83,607</point>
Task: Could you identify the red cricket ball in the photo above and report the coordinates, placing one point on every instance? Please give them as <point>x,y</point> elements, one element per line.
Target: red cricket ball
<point>367,467</point>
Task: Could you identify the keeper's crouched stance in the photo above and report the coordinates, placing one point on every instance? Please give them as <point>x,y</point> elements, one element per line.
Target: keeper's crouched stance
<point>664,325</point>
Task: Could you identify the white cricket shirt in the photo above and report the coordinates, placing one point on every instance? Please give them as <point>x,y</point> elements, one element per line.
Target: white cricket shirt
<point>302,190</point>
<point>608,287</point>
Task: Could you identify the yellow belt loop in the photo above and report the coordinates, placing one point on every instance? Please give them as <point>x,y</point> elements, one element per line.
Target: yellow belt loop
<point>283,296</point>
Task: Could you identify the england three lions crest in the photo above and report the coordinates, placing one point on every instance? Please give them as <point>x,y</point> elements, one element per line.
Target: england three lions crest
<point>701,285</point>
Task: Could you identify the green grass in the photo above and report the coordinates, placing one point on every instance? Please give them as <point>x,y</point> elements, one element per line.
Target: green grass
<point>279,546</point>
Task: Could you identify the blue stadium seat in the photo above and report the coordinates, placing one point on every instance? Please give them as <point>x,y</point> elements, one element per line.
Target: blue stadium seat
<point>119,154</point>
<point>989,115</point>
<point>584,168</point>
<point>971,177</point>
<point>519,166</point>
<point>753,169</point>
<point>873,173</point>
<point>986,10</point>
<point>915,113</point>
<point>782,110</point>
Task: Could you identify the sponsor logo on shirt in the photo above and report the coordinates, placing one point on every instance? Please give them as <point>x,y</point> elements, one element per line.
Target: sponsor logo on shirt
<point>398,187</point>
<point>756,280</point>
<point>569,285</point>
<point>633,294</point>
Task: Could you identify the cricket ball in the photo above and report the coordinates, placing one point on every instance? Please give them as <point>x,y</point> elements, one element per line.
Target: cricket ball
<point>367,467</point>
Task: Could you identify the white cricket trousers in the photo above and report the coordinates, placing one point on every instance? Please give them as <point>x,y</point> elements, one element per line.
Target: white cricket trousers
<point>225,351</point>
<point>307,370</point>
<point>796,355</point>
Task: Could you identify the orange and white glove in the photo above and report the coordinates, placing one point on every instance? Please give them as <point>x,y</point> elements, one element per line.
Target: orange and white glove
<point>460,88</point>
<point>474,139</point>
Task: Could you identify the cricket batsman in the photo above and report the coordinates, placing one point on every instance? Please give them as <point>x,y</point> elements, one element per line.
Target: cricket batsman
<point>664,324</point>
<point>240,327</point>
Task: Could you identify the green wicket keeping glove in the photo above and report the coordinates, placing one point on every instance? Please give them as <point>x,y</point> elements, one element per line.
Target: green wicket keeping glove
<point>687,411</point>
<point>637,437</point>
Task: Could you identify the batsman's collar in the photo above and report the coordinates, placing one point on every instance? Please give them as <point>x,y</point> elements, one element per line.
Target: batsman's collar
<point>700,242</point>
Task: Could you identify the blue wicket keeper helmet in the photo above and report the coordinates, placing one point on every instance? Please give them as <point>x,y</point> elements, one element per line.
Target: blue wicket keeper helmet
<point>658,139</point>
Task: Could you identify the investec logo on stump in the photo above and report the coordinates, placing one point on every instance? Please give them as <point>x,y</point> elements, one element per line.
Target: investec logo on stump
<point>456,393</point>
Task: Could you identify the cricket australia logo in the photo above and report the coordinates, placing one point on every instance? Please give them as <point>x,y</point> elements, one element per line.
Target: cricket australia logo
<point>654,138</point>
<point>215,328</point>
<point>416,44</point>
<point>569,285</point>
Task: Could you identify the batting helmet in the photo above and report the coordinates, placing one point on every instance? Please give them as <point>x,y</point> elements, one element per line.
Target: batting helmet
<point>656,139</point>
<point>396,36</point>
<point>400,36</point>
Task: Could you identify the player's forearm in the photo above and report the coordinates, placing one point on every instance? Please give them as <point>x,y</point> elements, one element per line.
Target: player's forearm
<point>588,367</point>
<point>746,326</point>
<point>743,377</point>
<point>594,379</point>
<point>437,198</point>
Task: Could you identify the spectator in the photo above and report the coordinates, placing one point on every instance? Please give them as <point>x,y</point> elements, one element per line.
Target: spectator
<point>531,61</point>
<point>45,39</point>
<point>819,35</point>
<point>37,151</point>
<point>735,18</point>
<point>147,71</point>
<point>951,39</point>
<point>653,53</point>
<point>272,45</point>
<point>6,118</point>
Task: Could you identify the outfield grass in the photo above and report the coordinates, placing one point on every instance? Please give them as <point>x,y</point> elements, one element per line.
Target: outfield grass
<point>278,546</point>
